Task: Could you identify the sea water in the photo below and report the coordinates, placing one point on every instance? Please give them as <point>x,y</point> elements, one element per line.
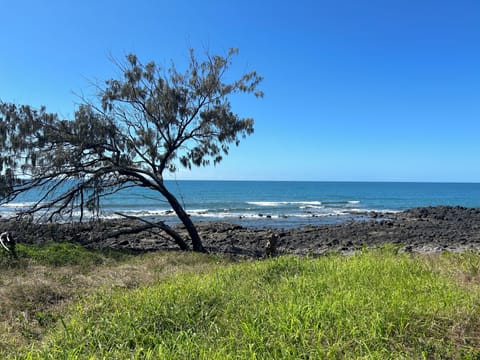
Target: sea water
<point>280,203</point>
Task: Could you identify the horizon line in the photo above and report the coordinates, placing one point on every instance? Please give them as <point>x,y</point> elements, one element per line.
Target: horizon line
<point>335,181</point>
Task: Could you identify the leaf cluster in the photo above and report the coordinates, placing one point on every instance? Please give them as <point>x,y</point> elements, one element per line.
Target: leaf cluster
<point>173,116</point>
<point>144,123</point>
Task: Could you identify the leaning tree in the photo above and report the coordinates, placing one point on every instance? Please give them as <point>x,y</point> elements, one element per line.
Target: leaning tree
<point>149,122</point>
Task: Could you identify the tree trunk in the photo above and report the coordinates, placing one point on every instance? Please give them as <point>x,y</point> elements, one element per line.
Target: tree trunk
<point>184,218</point>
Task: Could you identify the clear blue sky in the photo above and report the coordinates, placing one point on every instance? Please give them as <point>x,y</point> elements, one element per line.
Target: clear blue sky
<point>385,90</point>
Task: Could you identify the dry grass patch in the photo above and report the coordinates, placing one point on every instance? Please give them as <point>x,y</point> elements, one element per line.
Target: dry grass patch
<point>34,293</point>
<point>461,267</point>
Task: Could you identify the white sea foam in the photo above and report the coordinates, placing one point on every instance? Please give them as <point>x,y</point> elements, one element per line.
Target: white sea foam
<point>264,203</point>
<point>242,214</point>
<point>384,211</point>
<point>222,215</point>
<point>145,212</point>
<point>280,203</point>
<point>258,212</point>
<point>311,203</point>
<point>311,207</point>
<point>267,216</point>
<point>198,212</point>
<point>163,212</point>
<point>381,211</point>
<point>18,205</point>
<point>110,216</point>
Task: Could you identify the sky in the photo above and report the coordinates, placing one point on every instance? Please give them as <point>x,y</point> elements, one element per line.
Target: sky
<point>385,90</point>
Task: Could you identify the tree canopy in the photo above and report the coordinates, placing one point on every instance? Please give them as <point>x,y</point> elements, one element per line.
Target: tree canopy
<point>146,123</point>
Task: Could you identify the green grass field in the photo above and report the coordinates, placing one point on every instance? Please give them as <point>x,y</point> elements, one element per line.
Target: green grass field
<point>377,304</point>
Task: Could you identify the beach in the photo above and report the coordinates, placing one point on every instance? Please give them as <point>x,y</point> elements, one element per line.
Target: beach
<point>423,229</point>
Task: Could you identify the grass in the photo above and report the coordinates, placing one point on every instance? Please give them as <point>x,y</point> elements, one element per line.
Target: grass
<point>377,304</point>
<point>38,289</point>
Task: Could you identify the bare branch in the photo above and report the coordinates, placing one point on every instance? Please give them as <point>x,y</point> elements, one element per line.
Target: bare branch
<point>145,122</point>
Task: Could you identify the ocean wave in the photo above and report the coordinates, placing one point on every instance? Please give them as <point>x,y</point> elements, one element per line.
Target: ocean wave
<point>161,212</point>
<point>304,204</point>
<point>198,211</point>
<point>301,210</point>
<point>233,214</point>
<point>340,202</point>
<point>18,205</point>
<point>314,207</point>
<point>280,203</point>
<point>380,211</point>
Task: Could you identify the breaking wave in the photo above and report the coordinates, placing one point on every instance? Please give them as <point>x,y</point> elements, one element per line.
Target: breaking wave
<point>280,203</point>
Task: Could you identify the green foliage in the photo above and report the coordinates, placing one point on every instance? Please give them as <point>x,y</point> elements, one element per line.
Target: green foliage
<point>373,305</point>
<point>146,123</point>
<point>60,254</point>
<point>149,121</point>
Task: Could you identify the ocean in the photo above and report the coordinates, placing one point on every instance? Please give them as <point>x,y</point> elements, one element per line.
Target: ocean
<point>281,204</point>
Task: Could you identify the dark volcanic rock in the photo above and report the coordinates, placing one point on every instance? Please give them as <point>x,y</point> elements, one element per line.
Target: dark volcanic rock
<point>419,229</point>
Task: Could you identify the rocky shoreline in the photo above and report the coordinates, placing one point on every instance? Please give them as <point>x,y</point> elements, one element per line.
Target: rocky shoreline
<point>426,229</point>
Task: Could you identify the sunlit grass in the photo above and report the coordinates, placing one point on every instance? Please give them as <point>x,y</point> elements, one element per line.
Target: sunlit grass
<point>377,304</point>
<point>37,288</point>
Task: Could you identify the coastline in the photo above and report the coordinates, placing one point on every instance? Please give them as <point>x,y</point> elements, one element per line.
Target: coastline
<point>425,229</point>
<point>273,204</point>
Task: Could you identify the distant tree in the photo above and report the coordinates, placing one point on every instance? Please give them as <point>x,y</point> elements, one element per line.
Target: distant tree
<point>147,123</point>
